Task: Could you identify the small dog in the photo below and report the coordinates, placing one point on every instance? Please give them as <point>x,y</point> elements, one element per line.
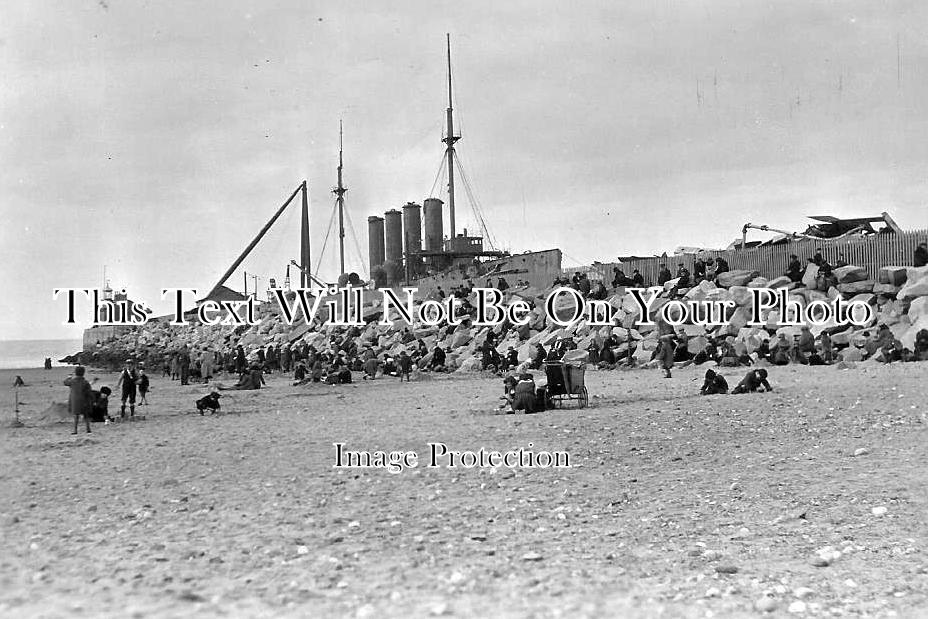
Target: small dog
<point>210,402</point>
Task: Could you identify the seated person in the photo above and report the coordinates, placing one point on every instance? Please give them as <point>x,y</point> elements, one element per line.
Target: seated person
<point>437,363</point>
<point>540,356</point>
<point>921,345</point>
<point>252,379</point>
<point>299,373</point>
<point>370,368</point>
<point>714,384</point>
<point>512,359</point>
<point>524,394</point>
<point>753,381</point>
<point>389,367</point>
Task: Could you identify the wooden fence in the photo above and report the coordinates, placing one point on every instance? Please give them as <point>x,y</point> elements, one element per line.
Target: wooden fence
<point>872,252</point>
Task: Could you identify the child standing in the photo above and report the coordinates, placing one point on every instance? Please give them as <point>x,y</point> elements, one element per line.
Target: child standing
<point>143,387</point>
<point>80,399</point>
<point>128,380</point>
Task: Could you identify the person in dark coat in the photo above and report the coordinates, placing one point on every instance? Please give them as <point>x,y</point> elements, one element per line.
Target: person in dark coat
<point>128,380</point>
<point>80,400</point>
<point>99,411</point>
<point>794,270</point>
<point>405,366</point>
<point>714,384</point>
<point>524,396</point>
<point>540,355</point>
<point>438,359</point>
<point>637,279</point>
<point>921,255</point>
<point>753,381</point>
<point>663,276</point>
<point>665,352</point>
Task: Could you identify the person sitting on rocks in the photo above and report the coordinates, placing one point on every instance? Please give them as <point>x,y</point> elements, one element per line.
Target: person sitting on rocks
<point>921,255</point>
<point>637,279</point>
<point>796,353</point>
<point>921,345</point>
<point>779,352</point>
<point>728,357</point>
<point>721,266</point>
<point>714,384</point>
<point>699,270</point>
<point>794,270</point>
<point>683,274</point>
<point>753,381</point>
<point>709,353</point>
<point>826,348</point>
<point>439,357</point>
<point>370,368</point>
<point>663,276</point>
<point>763,351</point>
<point>539,358</point>
<point>806,340</point>
<point>511,361</point>
<point>826,278</point>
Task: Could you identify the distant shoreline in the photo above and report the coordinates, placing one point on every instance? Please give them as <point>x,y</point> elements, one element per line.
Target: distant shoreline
<point>30,354</point>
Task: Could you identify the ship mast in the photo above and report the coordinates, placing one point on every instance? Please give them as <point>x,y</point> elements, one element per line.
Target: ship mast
<point>339,192</point>
<point>449,140</point>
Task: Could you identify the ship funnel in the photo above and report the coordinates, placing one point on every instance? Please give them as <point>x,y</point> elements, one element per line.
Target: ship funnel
<point>375,243</point>
<point>433,224</point>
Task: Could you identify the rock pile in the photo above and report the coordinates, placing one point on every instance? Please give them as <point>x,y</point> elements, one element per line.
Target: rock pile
<point>899,298</point>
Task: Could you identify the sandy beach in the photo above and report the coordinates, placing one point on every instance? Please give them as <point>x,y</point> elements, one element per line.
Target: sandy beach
<point>674,505</point>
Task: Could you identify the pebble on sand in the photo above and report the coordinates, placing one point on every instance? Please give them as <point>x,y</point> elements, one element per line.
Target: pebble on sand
<point>765,604</point>
<point>797,607</point>
<point>879,511</point>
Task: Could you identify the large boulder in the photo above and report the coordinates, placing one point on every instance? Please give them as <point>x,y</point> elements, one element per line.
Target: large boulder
<point>735,278</point>
<point>918,309</point>
<point>460,337</point>
<point>908,338</point>
<point>779,282</point>
<point>916,283</point>
<point>892,275</point>
<point>856,287</point>
<point>851,273</point>
<point>471,364</point>
<point>809,277</point>
<point>741,295</point>
<point>889,290</point>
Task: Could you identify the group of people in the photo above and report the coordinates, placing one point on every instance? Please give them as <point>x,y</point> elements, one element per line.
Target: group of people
<point>93,404</point>
<point>708,270</point>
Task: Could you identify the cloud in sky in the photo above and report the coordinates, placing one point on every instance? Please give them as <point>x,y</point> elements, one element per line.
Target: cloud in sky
<point>157,138</point>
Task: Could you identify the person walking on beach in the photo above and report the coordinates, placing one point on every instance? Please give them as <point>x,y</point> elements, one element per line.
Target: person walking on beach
<point>128,380</point>
<point>81,397</point>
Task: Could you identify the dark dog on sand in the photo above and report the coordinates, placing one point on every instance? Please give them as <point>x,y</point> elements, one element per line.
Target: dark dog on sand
<point>210,402</point>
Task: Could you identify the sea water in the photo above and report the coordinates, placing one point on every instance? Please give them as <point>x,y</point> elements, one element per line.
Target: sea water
<point>23,354</point>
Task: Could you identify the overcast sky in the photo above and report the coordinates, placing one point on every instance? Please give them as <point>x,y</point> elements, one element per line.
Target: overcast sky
<point>157,138</point>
